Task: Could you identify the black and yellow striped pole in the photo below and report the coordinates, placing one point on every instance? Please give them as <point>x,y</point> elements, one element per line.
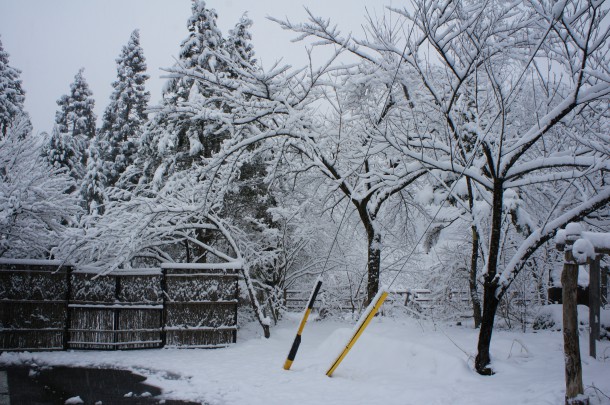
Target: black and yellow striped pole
<point>366,318</point>
<point>297,339</point>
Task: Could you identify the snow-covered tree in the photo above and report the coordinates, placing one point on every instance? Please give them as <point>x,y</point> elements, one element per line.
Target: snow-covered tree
<point>239,44</point>
<point>530,125</point>
<point>12,95</point>
<point>35,207</point>
<point>64,151</point>
<point>267,105</point>
<point>75,127</point>
<point>75,115</point>
<point>93,186</point>
<point>147,226</point>
<point>125,115</point>
<point>177,135</point>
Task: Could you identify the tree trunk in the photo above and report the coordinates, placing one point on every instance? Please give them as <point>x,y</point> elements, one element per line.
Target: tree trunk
<point>474,293</point>
<point>374,266</point>
<point>571,344</point>
<point>256,307</point>
<point>490,306</point>
<point>594,305</point>
<point>490,301</point>
<point>474,259</point>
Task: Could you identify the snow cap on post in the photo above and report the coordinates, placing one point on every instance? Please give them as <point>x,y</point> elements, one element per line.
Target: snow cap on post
<point>573,231</point>
<point>583,250</point>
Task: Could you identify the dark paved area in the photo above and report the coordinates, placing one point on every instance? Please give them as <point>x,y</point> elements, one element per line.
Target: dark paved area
<point>53,386</point>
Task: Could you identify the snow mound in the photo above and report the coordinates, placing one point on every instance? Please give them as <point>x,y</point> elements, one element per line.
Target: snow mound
<point>551,317</point>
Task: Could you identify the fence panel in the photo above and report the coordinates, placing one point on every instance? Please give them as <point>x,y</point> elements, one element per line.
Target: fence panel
<point>200,305</point>
<point>33,309</point>
<point>121,310</point>
<point>48,306</point>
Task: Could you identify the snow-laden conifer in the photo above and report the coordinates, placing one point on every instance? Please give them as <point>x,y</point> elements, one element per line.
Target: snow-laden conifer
<point>64,151</point>
<point>239,43</point>
<point>12,95</point>
<point>179,136</point>
<point>93,186</point>
<point>125,115</point>
<point>35,207</point>
<point>74,128</point>
<point>75,115</point>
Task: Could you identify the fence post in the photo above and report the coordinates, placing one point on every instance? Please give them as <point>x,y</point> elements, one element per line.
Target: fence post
<point>594,305</point>
<point>115,312</point>
<point>604,287</point>
<point>236,305</point>
<point>164,310</point>
<point>68,317</point>
<point>571,344</point>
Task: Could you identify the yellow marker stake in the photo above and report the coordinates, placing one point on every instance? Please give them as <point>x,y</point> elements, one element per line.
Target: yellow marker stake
<point>378,300</point>
<point>297,339</point>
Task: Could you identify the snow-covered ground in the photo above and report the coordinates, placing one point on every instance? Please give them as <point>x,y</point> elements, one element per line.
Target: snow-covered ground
<point>397,361</point>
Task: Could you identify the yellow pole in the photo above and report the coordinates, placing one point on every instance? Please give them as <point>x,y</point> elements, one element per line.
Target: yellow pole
<point>378,301</point>
<point>297,340</point>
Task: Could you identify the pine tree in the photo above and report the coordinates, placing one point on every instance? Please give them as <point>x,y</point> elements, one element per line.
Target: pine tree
<point>239,43</point>
<point>196,51</point>
<point>75,122</point>
<point>75,115</point>
<point>62,151</point>
<point>93,186</point>
<point>178,135</point>
<point>125,115</point>
<point>12,94</point>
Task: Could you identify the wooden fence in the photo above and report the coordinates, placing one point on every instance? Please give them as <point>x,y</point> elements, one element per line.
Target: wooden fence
<point>296,300</point>
<point>47,306</point>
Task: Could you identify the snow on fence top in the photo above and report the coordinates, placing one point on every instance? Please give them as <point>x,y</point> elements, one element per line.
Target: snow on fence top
<point>34,262</point>
<point>585,244</point>
<point>237,264</point>
<point>599,240</point>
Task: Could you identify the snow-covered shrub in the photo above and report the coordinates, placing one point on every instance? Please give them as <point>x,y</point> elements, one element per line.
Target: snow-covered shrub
<point>35,207</point>
<point>550,317</point>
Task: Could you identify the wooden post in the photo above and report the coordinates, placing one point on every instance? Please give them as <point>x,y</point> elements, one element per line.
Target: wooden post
<point>68,317</point>
<point>604,285</point>
<point>594,305</point>
<point>116,314</point>
<point>236,305</point>
<point>163,320</point>
<point>571,344</point>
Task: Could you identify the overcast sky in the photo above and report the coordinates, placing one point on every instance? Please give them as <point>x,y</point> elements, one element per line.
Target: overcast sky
<point>49,40</point>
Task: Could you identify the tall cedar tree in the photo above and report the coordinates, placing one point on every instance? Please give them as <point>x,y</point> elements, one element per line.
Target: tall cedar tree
<point>251,198</point>
<point>239,43</point>
<point>93,186</point>
<point>177,136</point>
<point>125,115</point>
<point>12,94</point>
<point>74,129</point>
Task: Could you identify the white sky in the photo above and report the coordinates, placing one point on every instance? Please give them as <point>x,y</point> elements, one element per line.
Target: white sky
<point>49,40</point>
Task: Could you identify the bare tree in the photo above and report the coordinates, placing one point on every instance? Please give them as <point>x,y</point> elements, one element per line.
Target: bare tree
<point>535,81</point>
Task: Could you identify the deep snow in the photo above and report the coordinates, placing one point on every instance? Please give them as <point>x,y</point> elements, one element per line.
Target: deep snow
<point>397,361</point>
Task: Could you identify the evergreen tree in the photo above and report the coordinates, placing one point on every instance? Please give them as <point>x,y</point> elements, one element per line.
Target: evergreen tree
<point>62,151</point>
<point>239,43</point>
<point>93,186</point>
<point>12,95</point>
<point>75,127</point>
<point>125,115</point>
<point>196,51</point>
<point>177,134</point>
<point>75,115</point>
<point>251,198</point>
